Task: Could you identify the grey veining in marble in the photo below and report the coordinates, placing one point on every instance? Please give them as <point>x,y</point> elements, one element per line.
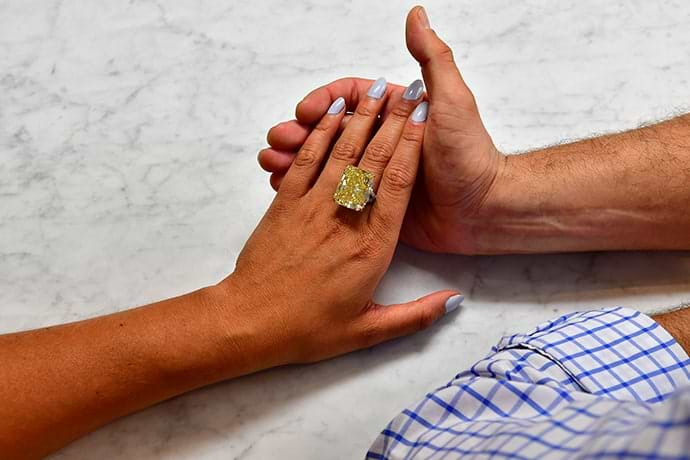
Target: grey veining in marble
<point>128,138</point>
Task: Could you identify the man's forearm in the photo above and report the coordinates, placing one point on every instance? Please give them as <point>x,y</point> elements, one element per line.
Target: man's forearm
<point>677,323</point>
<point>623,191</point>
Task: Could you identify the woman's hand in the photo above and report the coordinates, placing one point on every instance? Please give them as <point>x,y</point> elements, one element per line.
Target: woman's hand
<point>302,291</point>
<point>453,203</point>
<point>307,275</point>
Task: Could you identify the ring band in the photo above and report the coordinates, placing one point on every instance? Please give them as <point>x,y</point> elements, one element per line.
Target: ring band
<point>355,189</point>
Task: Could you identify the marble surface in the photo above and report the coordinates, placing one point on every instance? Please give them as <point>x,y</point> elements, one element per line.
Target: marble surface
<point>128,138</point>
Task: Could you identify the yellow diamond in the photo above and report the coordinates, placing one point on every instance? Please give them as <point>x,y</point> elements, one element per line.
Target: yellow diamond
<point>355,188</point>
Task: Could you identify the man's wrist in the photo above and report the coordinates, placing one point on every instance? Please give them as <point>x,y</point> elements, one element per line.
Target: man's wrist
<point>592,195</point>
<point>534,208</point>
<point>677,323</point>
<point>510,214</point>
<point>505,222</point>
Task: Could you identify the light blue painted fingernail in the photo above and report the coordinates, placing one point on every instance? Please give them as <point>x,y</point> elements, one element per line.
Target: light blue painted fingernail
<point>377,89</point>
<point>419,113</point>
<point>454,302</point>
<point>414,91</point>
<point>337,106</point>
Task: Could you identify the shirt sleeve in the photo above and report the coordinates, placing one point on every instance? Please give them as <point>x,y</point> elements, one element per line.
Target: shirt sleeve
<point>561,390</point>
<point>615,352</point>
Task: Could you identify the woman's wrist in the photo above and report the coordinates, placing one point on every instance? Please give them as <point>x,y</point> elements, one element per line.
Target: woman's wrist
<point>250,340</point>
<point>202,337</point>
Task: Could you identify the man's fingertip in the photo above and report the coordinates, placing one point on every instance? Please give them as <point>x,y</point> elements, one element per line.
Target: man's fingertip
<point>297,107</point>
<point>275,181</point>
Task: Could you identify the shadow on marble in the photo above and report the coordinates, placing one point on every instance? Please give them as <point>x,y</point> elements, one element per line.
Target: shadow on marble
<point>583,277</point>
<point>241,414</point>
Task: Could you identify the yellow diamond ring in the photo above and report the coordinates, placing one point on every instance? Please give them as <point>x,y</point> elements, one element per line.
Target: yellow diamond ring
<point>355,189</point>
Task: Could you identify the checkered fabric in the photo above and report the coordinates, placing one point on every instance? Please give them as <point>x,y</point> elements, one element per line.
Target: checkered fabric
<point>608,383</point>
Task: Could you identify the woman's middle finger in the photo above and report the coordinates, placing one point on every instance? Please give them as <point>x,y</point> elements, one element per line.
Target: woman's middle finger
<point>349,147</point>
<point>379,151</point>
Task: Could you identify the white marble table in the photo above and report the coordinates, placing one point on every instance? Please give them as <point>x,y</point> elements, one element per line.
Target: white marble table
<point>128,137</point>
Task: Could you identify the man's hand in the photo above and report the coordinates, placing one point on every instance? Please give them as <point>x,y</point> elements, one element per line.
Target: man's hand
<point>626,191</point>
<point>460,164</point>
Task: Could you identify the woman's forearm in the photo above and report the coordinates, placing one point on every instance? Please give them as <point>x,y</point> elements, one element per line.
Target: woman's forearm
<point>61,382</point>
<point>300,302</point>
<point>623,191</point>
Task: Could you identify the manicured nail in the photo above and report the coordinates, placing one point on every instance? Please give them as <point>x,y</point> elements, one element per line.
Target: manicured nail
<point>419,114</point>
<point>377,89</point>
<point>454,302</point>
<point>337,106</point>
<point>414,91</point>
<point>423,17</point>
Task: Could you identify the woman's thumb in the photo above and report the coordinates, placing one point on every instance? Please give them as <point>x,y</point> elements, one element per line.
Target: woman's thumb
<point>383,323</point>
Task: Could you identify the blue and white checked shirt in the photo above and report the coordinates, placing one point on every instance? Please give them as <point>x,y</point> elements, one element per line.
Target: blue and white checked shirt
<point>604,384</point>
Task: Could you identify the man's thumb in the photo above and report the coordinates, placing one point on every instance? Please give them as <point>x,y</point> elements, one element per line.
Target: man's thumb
<point>441,75</point>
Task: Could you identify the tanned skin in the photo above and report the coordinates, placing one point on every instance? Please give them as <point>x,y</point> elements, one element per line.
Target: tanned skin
<point>300,297</point>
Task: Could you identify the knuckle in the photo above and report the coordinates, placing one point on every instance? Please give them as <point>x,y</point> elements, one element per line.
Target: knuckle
<point>345,150</point>
<point>364,111</point>
<point>373,243</point>
<point>306,157</point>
<point>334,229</point>
<point>399,178</point>
<point>412,136</point>
<point>401,111</point>
<point>342,80</point>
<point>380,230</point>
<point>321,127</point>
<point>444,53</point>
<point>379,152</point>
<point>281,206</point>
<point>425,319</point>
<point>364,250</point>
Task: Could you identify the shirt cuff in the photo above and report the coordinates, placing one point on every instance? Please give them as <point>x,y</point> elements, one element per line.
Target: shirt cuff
<point>615,352</point>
